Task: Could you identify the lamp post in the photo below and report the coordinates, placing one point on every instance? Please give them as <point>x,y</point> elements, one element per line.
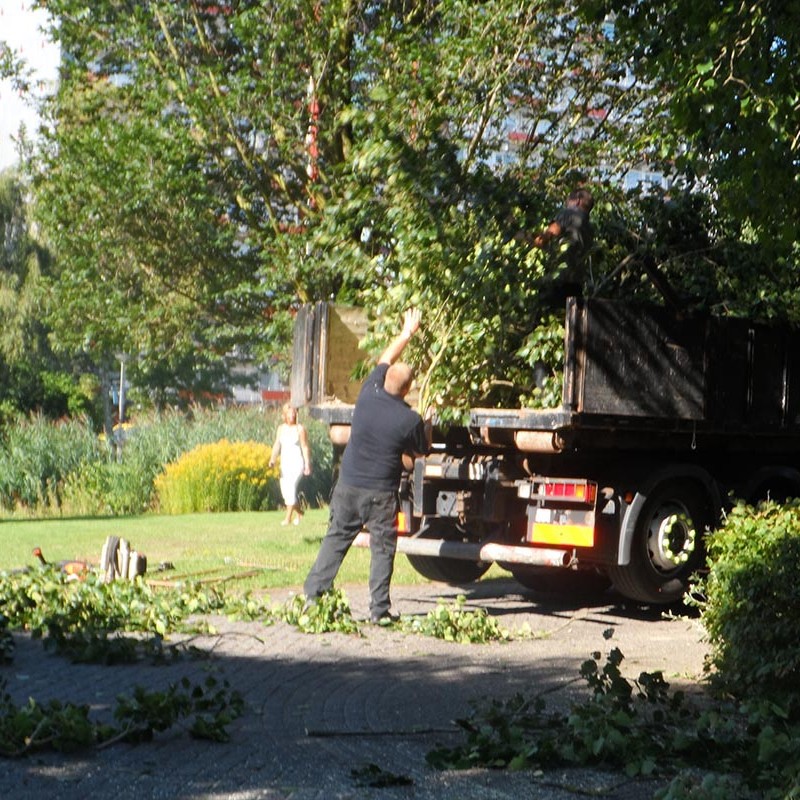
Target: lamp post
<point>122,358</point>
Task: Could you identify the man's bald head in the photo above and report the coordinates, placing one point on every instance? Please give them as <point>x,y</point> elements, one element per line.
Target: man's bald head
<point>399,378</point>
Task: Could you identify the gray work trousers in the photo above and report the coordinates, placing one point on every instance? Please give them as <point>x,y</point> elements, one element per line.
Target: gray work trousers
<point>352,509</point>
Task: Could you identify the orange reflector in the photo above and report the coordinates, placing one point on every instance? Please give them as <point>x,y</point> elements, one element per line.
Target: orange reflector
<point>402,523</point>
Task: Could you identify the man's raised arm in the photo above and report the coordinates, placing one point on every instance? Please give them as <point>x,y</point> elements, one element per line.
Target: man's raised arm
<point>411,320</point>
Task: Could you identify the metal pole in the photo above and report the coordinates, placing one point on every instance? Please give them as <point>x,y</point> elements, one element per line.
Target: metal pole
<point>121,408</point>
<point>477,551</point>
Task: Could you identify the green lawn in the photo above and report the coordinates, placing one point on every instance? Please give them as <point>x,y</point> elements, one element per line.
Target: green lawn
<point>216,545</point>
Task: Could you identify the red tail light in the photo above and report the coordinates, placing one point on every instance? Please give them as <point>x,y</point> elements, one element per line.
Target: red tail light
<point>582,491</point>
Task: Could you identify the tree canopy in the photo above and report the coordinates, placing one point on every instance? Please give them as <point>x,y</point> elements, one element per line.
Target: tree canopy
<point>728,79</point>
<point>32,377</point>
<point>210,165</point>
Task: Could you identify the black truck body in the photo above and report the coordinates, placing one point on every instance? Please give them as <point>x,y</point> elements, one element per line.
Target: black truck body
<point>665,418</point>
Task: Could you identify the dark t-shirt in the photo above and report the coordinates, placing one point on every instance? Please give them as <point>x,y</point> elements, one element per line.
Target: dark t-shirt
<point>576,231</point>
<point>383,428</point>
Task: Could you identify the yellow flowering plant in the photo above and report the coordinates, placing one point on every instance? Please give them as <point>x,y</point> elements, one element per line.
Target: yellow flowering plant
<point>222,476</point>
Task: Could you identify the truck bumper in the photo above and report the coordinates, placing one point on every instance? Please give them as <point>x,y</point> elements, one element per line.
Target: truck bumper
<point>476,551</point>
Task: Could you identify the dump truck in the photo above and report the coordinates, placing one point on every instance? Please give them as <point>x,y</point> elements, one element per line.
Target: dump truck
<point>666,419</point>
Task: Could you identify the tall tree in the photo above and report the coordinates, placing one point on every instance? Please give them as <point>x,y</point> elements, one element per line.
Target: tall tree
<point>23,262</point>
<point>727,75</point>
<point>211,164</point>
<point>32,378</point>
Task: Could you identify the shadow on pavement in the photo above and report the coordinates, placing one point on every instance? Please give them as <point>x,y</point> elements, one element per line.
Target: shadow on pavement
<point>319,707</point>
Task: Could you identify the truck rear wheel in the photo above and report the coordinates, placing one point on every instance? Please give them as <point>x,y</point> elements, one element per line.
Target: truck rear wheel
<point>667,544</point>
<point>552,580</point>
<point>455,571</point>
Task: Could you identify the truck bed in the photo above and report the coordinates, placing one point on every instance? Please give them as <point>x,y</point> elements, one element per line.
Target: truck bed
<point>642,374</point>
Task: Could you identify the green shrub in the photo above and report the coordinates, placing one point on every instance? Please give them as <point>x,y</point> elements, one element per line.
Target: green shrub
<point>238,424</point>
<point>65,468</point>
<point>105,488</point>
<point>36,456</point>
<point>315,489</point>
<point>751,605</point>
<point>145,448</point>
<point>86,491</point>
<point>223,476</point>
<point>161,440</point>
<point>61,395</point>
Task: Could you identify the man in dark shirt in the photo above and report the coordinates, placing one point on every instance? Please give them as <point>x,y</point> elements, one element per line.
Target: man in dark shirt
<point>572,228</point>
<point>383,429</point>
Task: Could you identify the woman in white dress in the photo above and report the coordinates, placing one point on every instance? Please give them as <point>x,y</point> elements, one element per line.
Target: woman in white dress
<point>291,444</point>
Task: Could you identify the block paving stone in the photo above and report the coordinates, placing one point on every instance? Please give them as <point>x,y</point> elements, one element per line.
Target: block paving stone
<point>319,707</point>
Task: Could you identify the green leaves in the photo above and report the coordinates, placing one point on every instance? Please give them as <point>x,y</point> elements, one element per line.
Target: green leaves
<point>67,727</point>
<point>329,613</point>
<point>62,727</point>
<point>746,603</point>
<point>727,77</point>
<point>6,642</point>
<point>455,624</point>
<point>391,157</point>
<point>398,155</point>
<point>636,726</point>
<point>747,732</point>
<point>87,620</point>
<point>209,708</point>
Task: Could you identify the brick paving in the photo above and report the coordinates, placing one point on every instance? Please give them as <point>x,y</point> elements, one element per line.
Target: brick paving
<point>320,706</point>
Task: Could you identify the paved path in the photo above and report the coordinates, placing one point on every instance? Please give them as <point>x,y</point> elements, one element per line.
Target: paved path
<point>320,706</point>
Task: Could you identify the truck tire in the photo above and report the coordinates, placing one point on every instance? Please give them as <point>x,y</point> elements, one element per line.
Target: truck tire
<point>667,544</point>
<point>454,571</point>
<point>562,582</point>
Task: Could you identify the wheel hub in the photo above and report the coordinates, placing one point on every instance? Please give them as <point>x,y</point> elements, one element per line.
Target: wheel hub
<point>671,537</point>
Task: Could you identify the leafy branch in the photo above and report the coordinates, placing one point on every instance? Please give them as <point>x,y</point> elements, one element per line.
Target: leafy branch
<point>641,727</point>
<point>206,710</point>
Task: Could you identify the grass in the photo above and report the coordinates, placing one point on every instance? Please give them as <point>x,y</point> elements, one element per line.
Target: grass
<point>208,546</point>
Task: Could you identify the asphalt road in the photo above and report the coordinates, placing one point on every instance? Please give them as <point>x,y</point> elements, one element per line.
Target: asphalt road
<point>320,709</point>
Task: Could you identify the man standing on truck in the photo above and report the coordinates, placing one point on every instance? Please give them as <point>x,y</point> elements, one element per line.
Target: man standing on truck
<point>572,228</point>
<point>365,496</point>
